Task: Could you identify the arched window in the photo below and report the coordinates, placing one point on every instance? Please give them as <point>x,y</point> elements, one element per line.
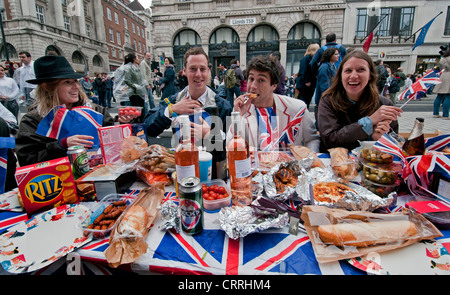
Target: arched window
<point>181,43</point>
<point>78,58</point>
<point>223,47</point>
<point>299,38</point>
<point>262,40</point>
<point>12,53</point>
<point>52,48</point>
<point>97,61</point>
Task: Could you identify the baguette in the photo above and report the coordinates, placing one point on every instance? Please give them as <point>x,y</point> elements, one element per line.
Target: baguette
<point>364,234</point>
<point>134,221</point>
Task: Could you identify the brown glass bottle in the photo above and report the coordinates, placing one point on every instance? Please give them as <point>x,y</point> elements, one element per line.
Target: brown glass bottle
<point>415,144</point>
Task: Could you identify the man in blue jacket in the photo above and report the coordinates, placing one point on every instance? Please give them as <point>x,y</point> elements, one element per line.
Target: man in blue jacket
<point>330,42</point>
<point>188,101</point>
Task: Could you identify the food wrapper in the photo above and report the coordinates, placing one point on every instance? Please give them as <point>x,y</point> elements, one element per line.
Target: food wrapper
<point>362,199</point>
<point>269,183</point>
<point>133,148</point>
<point>126,248</point>
<point>343,166</point>
<point>239,222</point>
<point>158,159</point>
<point>266,160</point>
<point>302,153</point>
<point>340,234</point>
<point>150,177</point>
<point>170,216</point>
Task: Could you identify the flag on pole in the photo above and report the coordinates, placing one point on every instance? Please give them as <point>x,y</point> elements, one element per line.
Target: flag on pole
<point>423,33</point>
<point>370,37</point>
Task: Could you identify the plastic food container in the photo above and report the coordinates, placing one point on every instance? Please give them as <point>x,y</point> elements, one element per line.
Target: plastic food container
<point>212,206</point>
<point>381,173</point>
<point>130,111</point>
<point>381,190</point>
<point>371,154</point>
<point>98,209</point>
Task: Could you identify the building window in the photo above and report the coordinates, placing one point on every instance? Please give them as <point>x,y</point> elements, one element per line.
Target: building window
<point>86,8</point>
<point>133,28</point>
<point>447,22</point>
<point>142,32</point>
<point>134,44</point>
<point>119,40</point>
<point>88,30</point>
<point>111,35</point>
<point>77,57</point>
<point>40,14</point>
<point>97,61</point>
<point>125,23</point>
<point>138,31</point>
<point>113,52</point>
<point>116,17</point>
<point>396,21</point>
<point>108,13</point>
<point>66,23</point>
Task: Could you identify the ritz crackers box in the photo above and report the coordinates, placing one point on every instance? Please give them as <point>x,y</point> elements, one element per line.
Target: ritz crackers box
<point>45,185</point>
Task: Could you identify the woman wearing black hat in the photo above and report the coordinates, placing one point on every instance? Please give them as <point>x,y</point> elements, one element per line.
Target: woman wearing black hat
<point>58,90</point>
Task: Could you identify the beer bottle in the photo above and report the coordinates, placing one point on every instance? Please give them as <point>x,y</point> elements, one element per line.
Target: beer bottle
<point>415,144</point>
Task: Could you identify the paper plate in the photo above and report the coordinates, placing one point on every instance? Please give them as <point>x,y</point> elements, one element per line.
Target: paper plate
<point>421,258</point>
<point>33,244</point>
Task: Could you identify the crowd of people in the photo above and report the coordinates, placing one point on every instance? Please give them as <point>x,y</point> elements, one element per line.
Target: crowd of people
<point>354,100</point>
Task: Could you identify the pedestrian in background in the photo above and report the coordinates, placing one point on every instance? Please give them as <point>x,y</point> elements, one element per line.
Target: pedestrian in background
<point>327,70</point>
<point>167,82</point>
<point>108,87</point>
<point>281,85</point>
<point>24,73</point>
<point>146,70</point>
<point>443,89</point>
<point>306,82</point>
<point>100,87</point>
<point>9,93</point>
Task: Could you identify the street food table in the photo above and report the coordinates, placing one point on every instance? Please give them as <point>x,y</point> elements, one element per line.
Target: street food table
<point>273,251</point>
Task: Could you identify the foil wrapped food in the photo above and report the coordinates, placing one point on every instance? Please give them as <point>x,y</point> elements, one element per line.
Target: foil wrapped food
<point>238,222</point>
<point>361,199</point>
<point>170,216</point>
<point>269,183</point>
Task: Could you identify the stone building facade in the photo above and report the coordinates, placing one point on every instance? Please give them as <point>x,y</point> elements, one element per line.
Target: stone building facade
<point>76,29</point>
<point>241,29</point>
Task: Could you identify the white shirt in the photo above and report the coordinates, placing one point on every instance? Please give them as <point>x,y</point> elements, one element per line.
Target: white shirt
<point>9,88</point>
<point>26,73</point>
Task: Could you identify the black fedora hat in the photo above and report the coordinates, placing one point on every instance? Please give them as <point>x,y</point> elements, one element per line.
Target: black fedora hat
<point>50,67</point>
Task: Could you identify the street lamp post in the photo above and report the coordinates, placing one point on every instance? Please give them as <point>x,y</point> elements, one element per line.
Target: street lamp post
<point>5,47</point>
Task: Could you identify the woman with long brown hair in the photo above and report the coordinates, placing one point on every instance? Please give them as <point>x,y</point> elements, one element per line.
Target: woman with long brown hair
<point>351,110</point>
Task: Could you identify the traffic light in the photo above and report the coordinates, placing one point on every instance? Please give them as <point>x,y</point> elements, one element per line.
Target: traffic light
<point>443,49</point>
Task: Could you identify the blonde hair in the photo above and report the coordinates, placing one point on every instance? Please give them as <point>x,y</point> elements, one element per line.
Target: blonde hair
<point>46,97</point>
<point>312,48</point>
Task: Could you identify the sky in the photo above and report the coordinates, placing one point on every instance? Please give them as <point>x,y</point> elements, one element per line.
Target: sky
<point>145,3</point>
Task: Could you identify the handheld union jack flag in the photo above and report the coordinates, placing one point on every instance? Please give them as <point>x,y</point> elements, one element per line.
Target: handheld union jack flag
<point>420,87</point>
<point>5,144</point>
<point>60,123</point>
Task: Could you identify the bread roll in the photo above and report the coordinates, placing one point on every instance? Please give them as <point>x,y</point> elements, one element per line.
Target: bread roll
<point>134,221</point>
<point>363,234</point>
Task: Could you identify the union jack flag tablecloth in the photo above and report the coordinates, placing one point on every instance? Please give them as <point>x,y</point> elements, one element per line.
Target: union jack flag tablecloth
<point>212,252</point>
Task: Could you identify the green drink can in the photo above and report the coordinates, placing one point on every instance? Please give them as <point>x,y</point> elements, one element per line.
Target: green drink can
<point>191,205</point>
<point>79,160</point>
